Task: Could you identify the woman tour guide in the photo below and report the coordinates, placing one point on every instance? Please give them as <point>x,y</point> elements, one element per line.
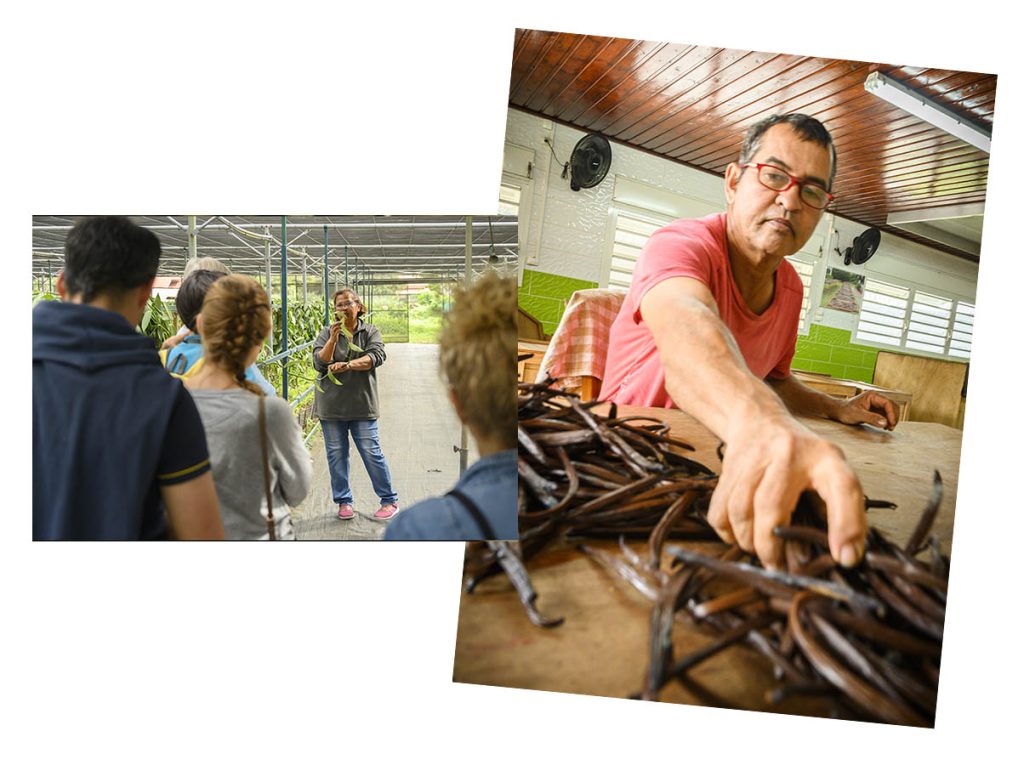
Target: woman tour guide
<point>346,356</point>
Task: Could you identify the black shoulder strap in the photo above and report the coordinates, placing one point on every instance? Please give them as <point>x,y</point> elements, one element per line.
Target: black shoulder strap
<point>174,367</point>
<point>475,511</point>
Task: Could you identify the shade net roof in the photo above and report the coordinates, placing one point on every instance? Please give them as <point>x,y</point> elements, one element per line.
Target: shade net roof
<point>377,249</point>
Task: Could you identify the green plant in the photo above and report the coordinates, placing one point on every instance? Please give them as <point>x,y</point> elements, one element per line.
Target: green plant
<point>305,320</point>
<point>159,321</point>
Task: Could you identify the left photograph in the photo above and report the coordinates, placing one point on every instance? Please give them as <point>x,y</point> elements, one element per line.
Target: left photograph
<point>274,377</point>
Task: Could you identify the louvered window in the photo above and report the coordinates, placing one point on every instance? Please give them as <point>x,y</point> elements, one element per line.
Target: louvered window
<point>928,328</point>
<point>631,234</point>
<point>805,270</point>
<point>915,320</point>
<point>508,199</point>
<point>963,331</point>
<point>883,313</point>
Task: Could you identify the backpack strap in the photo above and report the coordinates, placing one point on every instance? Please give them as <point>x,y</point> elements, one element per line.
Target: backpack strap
<point>474,511</point>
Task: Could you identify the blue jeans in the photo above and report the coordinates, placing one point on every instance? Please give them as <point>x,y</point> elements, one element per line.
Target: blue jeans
<point>364,433</point>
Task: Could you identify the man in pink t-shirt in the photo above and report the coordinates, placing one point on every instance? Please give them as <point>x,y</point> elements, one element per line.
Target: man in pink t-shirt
<point>710,321</point>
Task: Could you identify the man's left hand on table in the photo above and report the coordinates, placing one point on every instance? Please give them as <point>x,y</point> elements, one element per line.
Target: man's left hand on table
<point>870,407</point>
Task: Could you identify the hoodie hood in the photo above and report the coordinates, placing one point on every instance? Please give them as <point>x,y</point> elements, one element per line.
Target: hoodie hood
<point>87,337</point>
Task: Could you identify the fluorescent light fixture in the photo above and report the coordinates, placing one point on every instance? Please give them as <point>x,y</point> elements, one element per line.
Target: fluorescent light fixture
<point>898,94</point>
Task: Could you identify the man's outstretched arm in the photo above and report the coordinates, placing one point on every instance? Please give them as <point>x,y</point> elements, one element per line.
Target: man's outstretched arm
<point>870,406</point>
<point>770,458</point>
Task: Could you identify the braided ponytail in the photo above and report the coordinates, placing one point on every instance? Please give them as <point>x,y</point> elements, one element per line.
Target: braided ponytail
<point>236,319</point>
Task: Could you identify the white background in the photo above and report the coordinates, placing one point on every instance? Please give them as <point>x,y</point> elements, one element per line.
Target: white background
<point>259,653</point>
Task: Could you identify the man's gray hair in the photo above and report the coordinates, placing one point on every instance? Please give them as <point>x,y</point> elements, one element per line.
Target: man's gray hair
<point>808,128</point>
<point>206,264</point>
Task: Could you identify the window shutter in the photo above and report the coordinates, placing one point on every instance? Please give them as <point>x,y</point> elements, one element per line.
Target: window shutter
<point>631,234</point>
<point>963,331</point>
<point>883,313</point>
<point>508,199</point>
<point>928,328</point>
<point>805,270</point>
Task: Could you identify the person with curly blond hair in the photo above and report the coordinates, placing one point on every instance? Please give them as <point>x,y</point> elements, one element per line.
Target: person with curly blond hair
<point>477,358</point>
<point>234,324</point>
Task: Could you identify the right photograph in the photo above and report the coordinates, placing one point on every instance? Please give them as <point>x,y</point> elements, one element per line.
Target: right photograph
<point>746,304</point>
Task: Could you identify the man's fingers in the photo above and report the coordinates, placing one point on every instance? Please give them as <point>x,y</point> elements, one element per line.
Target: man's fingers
<point>844,500</point>
<point>718,518</point>
<point>773,506</point>
<point>892,414</point>
<point>740,504</point>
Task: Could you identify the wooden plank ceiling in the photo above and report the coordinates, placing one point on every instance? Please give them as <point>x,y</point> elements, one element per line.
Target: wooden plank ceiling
<point>692,104</point>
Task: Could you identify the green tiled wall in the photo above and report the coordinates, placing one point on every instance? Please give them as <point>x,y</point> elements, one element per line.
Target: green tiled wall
<point>830,351</point>
<point>544,296</point>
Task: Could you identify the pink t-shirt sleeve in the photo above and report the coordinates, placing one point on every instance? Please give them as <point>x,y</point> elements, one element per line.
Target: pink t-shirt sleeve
<point>671,252</point>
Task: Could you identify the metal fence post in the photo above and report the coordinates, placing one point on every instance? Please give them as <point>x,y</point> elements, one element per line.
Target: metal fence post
<point>284,305</point>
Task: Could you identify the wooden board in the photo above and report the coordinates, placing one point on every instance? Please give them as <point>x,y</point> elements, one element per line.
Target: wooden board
<point>528,368</point>
<point>601,649</point>
<point>935,384</point>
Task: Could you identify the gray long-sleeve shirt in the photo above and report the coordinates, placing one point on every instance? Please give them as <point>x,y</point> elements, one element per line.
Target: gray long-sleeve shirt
<point>356,397</point>
<point>231,421</point>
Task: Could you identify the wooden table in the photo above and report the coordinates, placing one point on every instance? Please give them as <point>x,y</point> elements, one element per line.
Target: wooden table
<point>601,649</point>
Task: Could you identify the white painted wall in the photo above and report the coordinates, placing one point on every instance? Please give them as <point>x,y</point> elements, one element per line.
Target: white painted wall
<point>568,230</point>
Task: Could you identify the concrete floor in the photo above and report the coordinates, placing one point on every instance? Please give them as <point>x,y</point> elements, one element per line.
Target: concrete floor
<point>418,429</point>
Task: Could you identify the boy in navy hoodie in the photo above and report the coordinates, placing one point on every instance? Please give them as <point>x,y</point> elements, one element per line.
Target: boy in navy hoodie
<point>116,441</point>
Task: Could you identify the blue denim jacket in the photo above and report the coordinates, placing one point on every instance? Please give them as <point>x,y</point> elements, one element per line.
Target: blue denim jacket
<point>491,482</point>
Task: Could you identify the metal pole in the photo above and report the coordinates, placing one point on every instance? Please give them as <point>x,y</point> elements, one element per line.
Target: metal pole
<point>305,286</point>
<point>346,265</point>
<point>270,292</point>
<point>327,287</point>
<point>192,249</point>
<point>284,306</point>
<point>49,276</point>
<point>464,443</point>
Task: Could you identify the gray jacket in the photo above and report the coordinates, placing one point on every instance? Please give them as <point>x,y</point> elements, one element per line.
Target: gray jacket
<point>231,421</point>
<point>356,397</point>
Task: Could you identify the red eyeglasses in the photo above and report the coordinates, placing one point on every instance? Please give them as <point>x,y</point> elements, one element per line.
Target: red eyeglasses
<point>777,179</point>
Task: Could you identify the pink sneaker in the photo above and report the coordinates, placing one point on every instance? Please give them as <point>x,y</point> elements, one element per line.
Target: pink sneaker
<point>386,511</point>
<point>346,512</point>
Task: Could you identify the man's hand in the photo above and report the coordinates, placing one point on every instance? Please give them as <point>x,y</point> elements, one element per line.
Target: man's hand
<point>767,465</point>
<point>339,366</point>
<point>870,407</point>
<point>335,331</point>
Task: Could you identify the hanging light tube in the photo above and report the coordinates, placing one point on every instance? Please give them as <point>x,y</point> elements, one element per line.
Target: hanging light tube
<point>899,95</point>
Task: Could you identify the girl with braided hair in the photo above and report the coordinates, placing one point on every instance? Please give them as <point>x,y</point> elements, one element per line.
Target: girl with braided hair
<point>233,325</point>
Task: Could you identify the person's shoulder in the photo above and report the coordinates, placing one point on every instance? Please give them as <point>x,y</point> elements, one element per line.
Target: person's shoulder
<point>701,234</point>
<point>277,408</point>
<point>429,518</point>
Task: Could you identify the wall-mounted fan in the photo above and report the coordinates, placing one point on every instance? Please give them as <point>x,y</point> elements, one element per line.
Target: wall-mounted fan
<point>864,246</point>
<point>590,161</point>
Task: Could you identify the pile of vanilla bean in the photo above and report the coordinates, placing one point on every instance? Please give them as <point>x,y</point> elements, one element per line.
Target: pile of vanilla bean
<point>867,639</point>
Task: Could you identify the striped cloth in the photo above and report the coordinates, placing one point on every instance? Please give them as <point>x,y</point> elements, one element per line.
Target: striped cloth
<point>579,346</point>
